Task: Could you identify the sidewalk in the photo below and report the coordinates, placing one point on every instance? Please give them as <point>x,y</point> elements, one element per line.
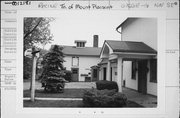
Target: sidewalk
<point>53,98</point>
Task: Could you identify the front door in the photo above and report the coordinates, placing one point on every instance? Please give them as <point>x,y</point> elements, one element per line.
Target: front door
<point>142,76</point>
<point>75,74</point>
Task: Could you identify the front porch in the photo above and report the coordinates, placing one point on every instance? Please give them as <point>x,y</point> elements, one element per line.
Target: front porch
<point>145,100</point>
<point>143,66</point>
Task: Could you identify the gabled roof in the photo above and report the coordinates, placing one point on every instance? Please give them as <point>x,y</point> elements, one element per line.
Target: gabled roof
<point>84,51</point>
<point>103,61</point>
<point>130,46</point>
<point>127,19</point>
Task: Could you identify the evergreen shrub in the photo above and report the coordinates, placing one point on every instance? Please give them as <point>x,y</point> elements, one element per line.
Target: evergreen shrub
<point>104,98</point>
<point>103,84</point>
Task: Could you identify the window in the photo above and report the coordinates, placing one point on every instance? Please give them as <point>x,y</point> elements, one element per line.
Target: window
<point>75,61</point>
<point>80,44</point>
<point>153,70</point>
<point>75,71</point>
<point>133,74</point>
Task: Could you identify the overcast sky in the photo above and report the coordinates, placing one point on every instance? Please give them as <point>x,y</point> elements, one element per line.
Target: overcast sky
<point>71,26</point>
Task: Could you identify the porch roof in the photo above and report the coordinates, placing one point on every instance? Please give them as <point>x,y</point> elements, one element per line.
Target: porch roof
<point>103,61</point>
<point>130,46</point>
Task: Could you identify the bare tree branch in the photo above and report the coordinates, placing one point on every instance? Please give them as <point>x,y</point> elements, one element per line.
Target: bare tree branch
<point>27,34</point>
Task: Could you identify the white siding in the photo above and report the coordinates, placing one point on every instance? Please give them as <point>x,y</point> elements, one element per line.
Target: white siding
<point>133,84</point>
<point>127,70</point>
<point>114,72</point>
<point>130,83</point>
<point>85,64</point>
<point>101,75</point>
<point>142,30</point>
<point>151,86</point>
<point>67,63</point>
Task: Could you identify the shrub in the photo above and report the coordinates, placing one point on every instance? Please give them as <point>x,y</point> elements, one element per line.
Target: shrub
<point>68,75</point>
<point>104,98</point>
<point>102,84</point>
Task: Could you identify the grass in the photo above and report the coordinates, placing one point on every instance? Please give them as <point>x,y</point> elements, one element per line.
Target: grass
<point>53,103</point>
<point>68,93</point>
<point>65,103</point>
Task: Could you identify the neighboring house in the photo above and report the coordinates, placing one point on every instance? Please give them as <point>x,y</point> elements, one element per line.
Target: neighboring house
<point>82,60</point>
<point>132,61</point>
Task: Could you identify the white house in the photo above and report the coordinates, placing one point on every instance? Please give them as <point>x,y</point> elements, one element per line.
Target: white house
<point>82,60</point>
<point>132,61</point>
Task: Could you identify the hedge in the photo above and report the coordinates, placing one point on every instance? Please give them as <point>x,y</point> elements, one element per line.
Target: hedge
<point>103,84</point>
<point>104,98</point>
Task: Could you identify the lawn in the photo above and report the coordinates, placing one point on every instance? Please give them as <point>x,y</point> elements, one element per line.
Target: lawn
<point>53,103</point>
<point>65,103</point>
<point>68,93</point>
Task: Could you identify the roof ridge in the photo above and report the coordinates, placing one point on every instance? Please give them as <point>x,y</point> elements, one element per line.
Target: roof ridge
<point>80,47</point>
<point>125,41</point>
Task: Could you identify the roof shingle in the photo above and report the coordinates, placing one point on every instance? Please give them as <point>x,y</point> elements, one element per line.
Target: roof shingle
<point>130,46</point>
<point>85,51</point>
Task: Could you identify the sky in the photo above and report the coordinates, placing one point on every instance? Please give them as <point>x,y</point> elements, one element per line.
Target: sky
<point>71,26</point>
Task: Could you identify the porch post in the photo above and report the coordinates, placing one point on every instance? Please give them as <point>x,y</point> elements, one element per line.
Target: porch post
<point>108,74</point>
<point>100,74</point>
<point>119,73</point>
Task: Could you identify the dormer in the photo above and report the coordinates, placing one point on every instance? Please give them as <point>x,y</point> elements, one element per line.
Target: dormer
<point>80,43</point>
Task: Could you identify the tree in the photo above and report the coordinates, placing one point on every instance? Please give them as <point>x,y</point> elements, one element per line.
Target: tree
<point>52,63</point>
<point>36,33</point>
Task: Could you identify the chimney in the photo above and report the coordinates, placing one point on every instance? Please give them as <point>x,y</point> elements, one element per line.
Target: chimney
<point>95,40</point>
